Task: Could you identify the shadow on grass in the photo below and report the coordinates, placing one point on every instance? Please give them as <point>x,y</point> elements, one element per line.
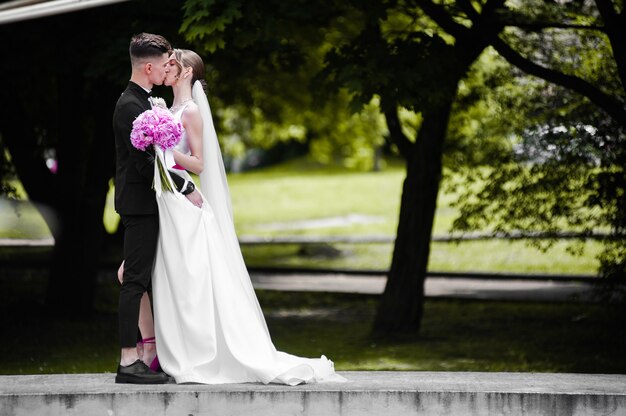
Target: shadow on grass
<point>456,335</point>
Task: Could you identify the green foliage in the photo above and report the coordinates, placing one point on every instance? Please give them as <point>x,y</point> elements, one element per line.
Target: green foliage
<point>400,70</point>
<point>197,27</point>
<point>567,172</point>
<point>328,54</point>
<point>480,126</point>
<point>352,138</point>
<point>264,59</point>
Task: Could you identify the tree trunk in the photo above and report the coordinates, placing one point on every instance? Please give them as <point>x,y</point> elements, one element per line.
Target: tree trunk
<point>72,201</point>
<point>74,267</point>
<point>85,167</point>
<point>400,309</point>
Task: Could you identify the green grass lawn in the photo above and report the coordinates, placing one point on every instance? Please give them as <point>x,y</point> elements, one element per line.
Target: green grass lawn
<point>285,194</point>
<point>284,199</point>
<point>456,335</point>
<point>495,256</point>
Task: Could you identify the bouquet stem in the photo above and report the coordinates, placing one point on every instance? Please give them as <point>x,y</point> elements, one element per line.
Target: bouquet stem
<point>165,183</point>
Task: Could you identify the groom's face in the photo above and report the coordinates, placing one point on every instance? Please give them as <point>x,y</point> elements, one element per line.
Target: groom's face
<point>159,69</point>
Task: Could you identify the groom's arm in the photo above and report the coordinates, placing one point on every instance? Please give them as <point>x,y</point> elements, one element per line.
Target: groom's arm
<point>142,160</point>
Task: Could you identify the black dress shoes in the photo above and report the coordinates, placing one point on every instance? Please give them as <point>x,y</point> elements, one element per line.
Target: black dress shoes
<point>139,373</point>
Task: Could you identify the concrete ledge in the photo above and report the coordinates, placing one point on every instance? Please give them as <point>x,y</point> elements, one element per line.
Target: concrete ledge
<point>366,393</point>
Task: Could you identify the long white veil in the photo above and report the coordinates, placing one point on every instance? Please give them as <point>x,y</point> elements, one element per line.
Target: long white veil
<point>213,182</point>
<point>214,187</point>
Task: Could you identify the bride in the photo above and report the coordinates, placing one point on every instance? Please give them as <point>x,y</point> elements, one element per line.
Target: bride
<point>209,327</point>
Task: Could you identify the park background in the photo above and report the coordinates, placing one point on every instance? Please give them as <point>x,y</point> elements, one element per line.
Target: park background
<point>395,123</point>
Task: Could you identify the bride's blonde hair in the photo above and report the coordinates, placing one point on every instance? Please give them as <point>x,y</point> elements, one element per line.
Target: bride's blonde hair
<point>185,58</point>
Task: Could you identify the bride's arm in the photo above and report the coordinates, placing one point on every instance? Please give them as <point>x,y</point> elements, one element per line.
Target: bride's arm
<point>192,122</point>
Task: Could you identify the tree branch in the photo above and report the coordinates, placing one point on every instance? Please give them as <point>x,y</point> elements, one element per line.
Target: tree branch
<point>395,131</point>
<point>539,26</point>
<point>486,23</point>
<point>607,11</point>
<point>615,31</point>
<point>468,8</point>
<point>512,18</point>
<point>442,18</point>
<point>609,104</point>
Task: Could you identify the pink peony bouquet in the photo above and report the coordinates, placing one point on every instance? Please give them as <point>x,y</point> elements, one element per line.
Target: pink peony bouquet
<point>156,126</point>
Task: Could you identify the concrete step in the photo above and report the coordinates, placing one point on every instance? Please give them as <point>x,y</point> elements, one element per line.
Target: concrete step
<point>366,393</point>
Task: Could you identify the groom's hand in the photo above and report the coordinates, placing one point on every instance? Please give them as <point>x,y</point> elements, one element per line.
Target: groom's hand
<point>195,198</point>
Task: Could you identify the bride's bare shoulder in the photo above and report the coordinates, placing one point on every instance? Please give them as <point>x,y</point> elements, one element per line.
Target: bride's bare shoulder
<point>192,110</point>
<point>191,114</point>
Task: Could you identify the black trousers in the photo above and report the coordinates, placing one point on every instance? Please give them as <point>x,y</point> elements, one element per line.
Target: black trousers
<point>140,242</point>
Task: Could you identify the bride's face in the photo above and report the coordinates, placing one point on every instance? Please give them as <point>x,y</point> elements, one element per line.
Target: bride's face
<point>174,73</point>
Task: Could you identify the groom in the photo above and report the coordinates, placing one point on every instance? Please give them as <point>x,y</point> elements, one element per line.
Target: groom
<point>135,200</point>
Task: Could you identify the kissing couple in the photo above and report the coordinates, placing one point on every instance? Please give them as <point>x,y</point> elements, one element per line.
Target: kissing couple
<point>181,244</point>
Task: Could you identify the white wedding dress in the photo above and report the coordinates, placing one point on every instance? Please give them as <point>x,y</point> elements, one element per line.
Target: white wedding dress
<point>209,325</point>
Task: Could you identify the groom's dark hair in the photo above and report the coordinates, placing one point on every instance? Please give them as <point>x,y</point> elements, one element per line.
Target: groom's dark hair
<point>147,45</point>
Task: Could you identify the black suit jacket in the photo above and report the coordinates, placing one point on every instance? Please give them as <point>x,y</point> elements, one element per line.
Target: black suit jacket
<point>135,168</point>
